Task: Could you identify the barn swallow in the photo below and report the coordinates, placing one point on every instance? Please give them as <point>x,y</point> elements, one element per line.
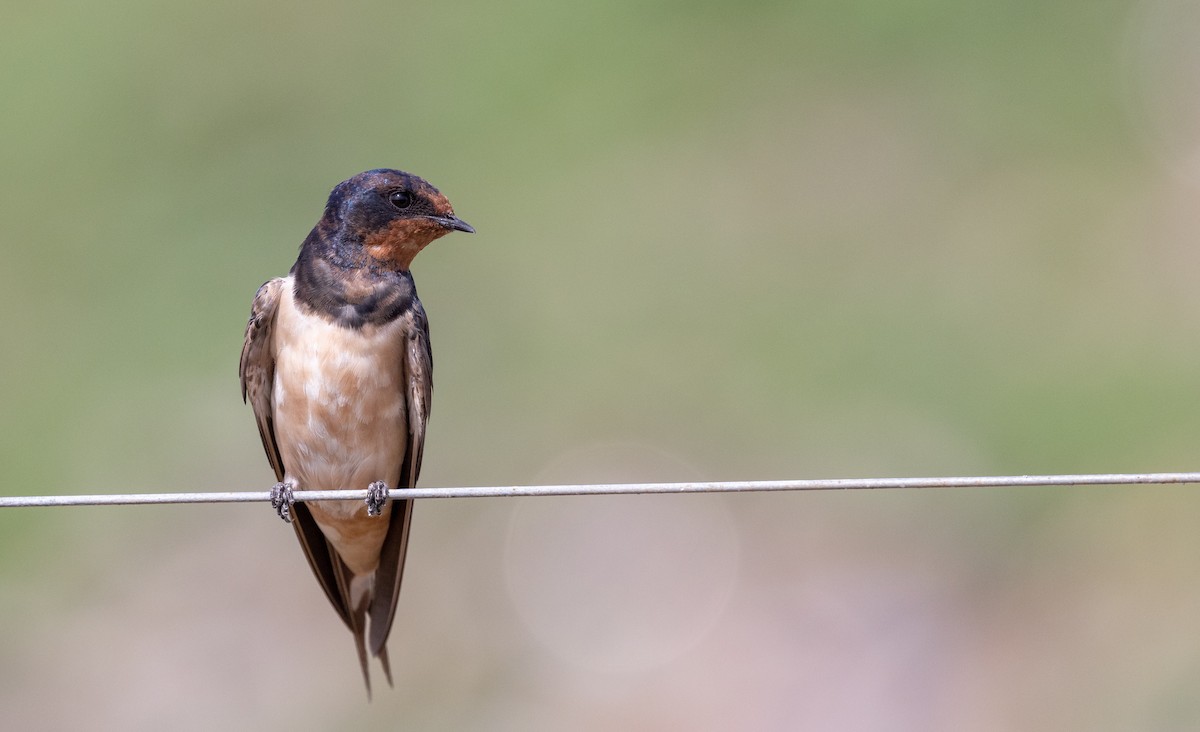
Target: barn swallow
<point>337,367</point>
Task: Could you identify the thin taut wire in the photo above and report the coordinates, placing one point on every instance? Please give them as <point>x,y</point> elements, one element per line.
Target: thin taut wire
<point>744,486</point>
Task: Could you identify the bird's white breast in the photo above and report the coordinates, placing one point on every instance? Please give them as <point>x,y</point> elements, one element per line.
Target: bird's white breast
<point>339,400</point>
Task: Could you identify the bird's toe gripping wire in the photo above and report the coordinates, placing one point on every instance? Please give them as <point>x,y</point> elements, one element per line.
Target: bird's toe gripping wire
<point>377,496</point>
<point>282,501</point>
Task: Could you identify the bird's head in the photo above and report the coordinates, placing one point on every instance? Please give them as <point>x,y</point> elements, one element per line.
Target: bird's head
<point>390,214</point>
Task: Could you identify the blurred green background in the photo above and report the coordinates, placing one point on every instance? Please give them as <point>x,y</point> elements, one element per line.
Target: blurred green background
<point>747,241</point>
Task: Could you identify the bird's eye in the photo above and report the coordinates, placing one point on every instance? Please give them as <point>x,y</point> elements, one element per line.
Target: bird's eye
<point>400,199</point>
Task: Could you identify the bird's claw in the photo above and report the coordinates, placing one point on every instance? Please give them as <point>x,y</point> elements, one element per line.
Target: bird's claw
<point>282,501</point>
<point>377,496</point>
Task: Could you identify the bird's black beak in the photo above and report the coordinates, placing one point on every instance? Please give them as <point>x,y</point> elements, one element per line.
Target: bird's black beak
<point>455,223</point>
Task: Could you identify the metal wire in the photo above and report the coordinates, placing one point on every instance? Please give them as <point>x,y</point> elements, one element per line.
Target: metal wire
<point>744,486</point>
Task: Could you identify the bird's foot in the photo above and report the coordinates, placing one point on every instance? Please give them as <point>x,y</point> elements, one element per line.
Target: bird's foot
<point>282,501</point>
<point>377,496</point>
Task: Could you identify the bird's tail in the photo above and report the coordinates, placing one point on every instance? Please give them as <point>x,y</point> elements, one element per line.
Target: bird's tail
<point>358,590</point>
<point>362,592</point>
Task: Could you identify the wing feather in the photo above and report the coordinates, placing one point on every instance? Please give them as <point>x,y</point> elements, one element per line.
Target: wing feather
<point>257,367</point>
<point>418,375</point>
<point>257,372</point>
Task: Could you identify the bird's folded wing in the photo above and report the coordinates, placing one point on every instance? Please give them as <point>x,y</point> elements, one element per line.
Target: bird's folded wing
<point>418,375</point>
<point>257,370</point>
<point>257,367</point>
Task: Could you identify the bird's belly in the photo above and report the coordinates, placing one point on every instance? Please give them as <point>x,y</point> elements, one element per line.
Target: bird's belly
<point>341,423</point>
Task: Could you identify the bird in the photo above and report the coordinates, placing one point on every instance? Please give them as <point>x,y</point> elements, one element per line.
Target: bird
<point>337,367</point>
